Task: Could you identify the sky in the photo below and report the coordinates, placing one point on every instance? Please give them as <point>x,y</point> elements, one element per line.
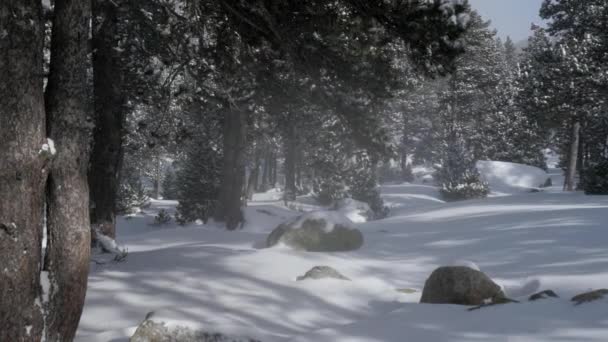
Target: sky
<point>510,17</point>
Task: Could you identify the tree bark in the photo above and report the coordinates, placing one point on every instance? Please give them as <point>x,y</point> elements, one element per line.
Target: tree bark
<point>570,181</point>
<point>252,182</point>
<point>274,163</point>
<point>290,140</point>
<point>233,170</point>
<point>266,172</point>
<point>68,238</point>
<point>110,119</point>
<point>22,168</point>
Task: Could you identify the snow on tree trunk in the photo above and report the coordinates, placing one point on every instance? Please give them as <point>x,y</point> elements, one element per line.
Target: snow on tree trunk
<point>22,169</point>
<point>570,181</point>
<point>68,241</point>
<point>110,118</point>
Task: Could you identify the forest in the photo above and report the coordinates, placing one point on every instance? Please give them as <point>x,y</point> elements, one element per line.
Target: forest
<point>168,167</point>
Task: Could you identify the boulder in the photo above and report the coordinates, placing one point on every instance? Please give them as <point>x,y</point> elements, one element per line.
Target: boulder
<point>151,331</point>
<point>543,295</point>
<point>322,272</point>
<point>323,231</point>
<point>460,285</point>
<point>589,296</point>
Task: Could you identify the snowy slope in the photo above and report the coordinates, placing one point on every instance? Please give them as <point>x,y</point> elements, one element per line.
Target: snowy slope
<point>507,178</point>
<point>225,281</point>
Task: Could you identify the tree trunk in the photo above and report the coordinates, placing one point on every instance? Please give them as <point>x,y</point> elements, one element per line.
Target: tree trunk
<point>22,168</point>
<point>273,179</point>
<point>68,237</point>
<point>252,183</point>
<point>110,117</point>
<point>570,181</point>
<point>233,170</point>
<point>290,162</point>
<point>266,172</point>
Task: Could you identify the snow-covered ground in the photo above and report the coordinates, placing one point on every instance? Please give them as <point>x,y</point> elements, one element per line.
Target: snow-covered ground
<point>226,281</point>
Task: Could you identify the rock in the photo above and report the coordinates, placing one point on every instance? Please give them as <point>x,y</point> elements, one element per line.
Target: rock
<point>543,295</point>
<point>498,301</point>
<point>322,272</point>
<point>406,290</point>
<point>151,331</point>
<point>589,296</point>
<point>318,232</point>
<point>460,285</point>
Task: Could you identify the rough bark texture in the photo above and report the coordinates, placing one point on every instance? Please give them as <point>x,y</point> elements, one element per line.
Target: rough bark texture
<point>570,182</point>
<point>233,170</point>
<point>266,172</point>
<point>110,118</point>
<point>22,168</point>
<point>252,182</point>
<point>290,163</point>
<point>68,241</point>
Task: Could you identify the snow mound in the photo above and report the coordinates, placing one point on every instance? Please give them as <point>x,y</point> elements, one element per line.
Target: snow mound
<point>504,177</point>
<point>331,218</point>
<point>356,211</point>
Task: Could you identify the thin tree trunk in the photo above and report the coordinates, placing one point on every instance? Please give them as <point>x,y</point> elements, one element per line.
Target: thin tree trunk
<point>570,181</point>
<point>68,238</point>
<point>266,172</point>
<point>157,177</point>
<point>22,169</point>
<point>110,118</point>
<point>273,160</point>
<point>252,183</point>
<point>233,170</point>
<point>290,162</point>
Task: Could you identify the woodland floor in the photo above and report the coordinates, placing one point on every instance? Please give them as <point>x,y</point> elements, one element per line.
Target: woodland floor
<point>525,241</point>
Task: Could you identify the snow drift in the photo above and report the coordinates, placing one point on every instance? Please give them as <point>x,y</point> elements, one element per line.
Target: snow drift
<point>507,178</point>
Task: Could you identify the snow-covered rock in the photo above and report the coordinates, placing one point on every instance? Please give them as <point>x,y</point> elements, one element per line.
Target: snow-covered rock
<point>504,177</point>
<point>460,285</point>
<point>152,330</point>
<point>320,231</point>
<point>322,272</point>
<point>354,210</point>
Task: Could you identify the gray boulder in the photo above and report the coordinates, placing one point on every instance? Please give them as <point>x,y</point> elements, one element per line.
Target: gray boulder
<point>318,232</point>
<point>591,296</point>
<point>151,331</point>
<point>460,285</point>
<point>322,272</point>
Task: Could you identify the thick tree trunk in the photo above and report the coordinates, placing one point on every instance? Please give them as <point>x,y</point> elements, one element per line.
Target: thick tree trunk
<point>290,140</point>
<point>22,169</point>
<point>233,170</point>
<point>570,181</point>
<point>110,117</point>
<point>68,238</point>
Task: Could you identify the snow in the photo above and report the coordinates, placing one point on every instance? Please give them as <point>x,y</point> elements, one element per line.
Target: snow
<point>331,218</point>
<point>48,147</point>
<point>508,178</point>
<point>355,211</point>
<point>223,281</point>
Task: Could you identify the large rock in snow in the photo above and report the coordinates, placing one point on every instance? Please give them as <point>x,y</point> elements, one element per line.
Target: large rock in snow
<point>321,231</point>
<point>460,285</point>
<point>152,331</point>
